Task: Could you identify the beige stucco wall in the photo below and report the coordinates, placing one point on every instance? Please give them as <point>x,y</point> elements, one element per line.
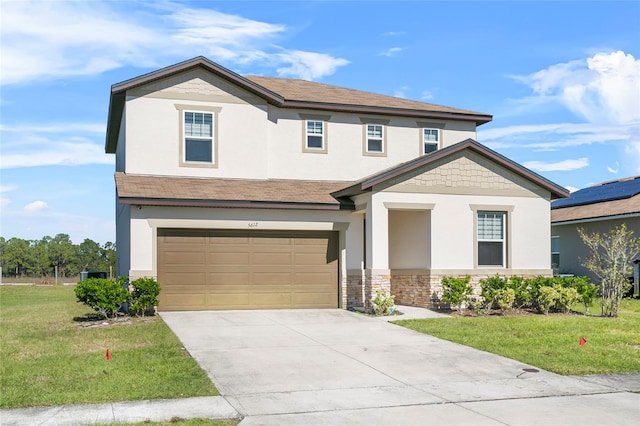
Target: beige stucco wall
<point>572,249</point>
<point>410,239</point>
<point>257,141</point>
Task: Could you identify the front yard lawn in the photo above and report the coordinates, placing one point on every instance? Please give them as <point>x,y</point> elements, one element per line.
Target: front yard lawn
<point>49,358</point>
<point>550,342</point>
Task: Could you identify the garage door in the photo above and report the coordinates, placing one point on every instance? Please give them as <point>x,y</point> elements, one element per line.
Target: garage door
<point>220,269</point>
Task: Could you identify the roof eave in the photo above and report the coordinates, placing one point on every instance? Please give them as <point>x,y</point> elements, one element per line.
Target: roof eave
<point>479,119</point>
<point>171,202</point>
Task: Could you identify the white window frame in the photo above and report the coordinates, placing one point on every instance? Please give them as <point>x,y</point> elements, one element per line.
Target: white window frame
<point>556,252</point>
<point>309,135</point>
<point>502,239</point>
<point>182,110</point>
<point>427,131</point>
<point>374,138</point>
<point>209,138</point>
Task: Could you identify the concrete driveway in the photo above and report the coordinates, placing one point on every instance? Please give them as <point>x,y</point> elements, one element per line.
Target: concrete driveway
<point>291,367</point>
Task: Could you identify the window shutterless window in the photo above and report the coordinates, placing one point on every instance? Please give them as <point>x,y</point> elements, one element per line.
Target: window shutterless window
<point>491,239</point>
<point>555,252</point>
<point>430,140</point>
<point>198,137</point>
<point>375,138</point>
<point>315,134</point>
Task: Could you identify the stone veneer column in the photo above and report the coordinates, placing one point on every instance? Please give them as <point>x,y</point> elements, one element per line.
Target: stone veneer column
<point>375,281</point>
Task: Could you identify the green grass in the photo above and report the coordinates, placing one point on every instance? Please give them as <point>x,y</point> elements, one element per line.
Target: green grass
<point>47,358</point>
<point>549,342</point>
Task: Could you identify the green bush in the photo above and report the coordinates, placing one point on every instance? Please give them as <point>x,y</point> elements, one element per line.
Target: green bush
<point>547,297</point>
<point>103,295</point>
<point>490,287</point>
<point>505,298</point>
<point>567,296</point>
<point>143,296</point>
<point>521,290</point>
<point>382,303</point>
<point>455,290</point>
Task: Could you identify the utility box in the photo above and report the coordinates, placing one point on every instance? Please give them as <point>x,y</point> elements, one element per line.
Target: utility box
<point>92,274</point>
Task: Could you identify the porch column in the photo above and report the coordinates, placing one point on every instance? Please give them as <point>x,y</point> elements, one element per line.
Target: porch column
<point>377,274</point>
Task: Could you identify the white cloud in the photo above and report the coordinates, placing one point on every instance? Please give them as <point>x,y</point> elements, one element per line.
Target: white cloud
<point>4,201</point>
<point>614,170</point>
<point>632,151</point>
<point>565,165</point>
<point>426,95</point>
<point>571,188</point>
<point>36,206</point>
<point>307,65</point>
<point>604,88</point>
<point>394,33</point>
<point>55,128</point>
<point>391,52</point>
<point>56,153</point>
<point>47,40</point>
<point>7,188</point>
<point>401,92</point>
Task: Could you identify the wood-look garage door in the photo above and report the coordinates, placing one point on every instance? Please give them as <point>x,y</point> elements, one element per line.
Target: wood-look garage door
<point>220,269</point>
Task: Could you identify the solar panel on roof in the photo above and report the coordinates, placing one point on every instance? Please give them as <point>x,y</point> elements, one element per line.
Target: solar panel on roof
<point>618,190</point>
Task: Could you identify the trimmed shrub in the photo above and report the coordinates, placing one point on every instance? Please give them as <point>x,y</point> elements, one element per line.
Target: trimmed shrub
<point>547,297</point>
<point>567,296</point>
<point>143,295</point>
<point>505,298</point>
<point>521,290</point>
<point>455,290</point>
<point>490,287</point>
<point>382,303</point>
<point>103,295</point>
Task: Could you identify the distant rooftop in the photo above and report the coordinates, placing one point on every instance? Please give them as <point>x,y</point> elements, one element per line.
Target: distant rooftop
<point>607,191</point>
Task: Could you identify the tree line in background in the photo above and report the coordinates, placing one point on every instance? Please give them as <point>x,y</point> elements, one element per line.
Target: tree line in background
<point>39,258</point>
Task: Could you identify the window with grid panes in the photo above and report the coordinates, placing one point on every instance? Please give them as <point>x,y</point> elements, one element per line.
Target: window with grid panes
<point>430,140</point>
<point>198,137</point>
<point>375,138</point>
<point>315,134</point>
<point>491,239</point>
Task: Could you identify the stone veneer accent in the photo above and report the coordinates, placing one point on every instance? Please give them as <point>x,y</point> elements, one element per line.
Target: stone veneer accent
<point>425,291</point>
<point>361,288</point>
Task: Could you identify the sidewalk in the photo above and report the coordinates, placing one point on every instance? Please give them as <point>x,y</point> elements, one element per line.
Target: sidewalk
<point>210,407</point>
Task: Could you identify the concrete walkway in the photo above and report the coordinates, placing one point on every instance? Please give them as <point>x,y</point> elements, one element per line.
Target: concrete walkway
<point>332,367</point>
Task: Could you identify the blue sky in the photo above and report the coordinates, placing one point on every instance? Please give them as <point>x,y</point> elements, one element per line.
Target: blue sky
<point>561,79</point>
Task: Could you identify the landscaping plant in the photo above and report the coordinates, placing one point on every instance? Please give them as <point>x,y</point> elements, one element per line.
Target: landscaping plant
<point>143,296</point>
<point>456,290</point>
<point>103,295</point>
<point>382,303</point>
<point>610,261</point>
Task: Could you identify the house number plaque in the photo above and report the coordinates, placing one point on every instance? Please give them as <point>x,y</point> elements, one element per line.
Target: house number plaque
<point>252,224</point>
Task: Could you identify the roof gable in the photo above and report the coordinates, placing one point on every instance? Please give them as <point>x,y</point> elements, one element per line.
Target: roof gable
<point>478,158</point>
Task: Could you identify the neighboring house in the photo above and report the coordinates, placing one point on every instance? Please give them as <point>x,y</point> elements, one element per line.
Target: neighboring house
<point>598,208</point>
<point>257,192</point>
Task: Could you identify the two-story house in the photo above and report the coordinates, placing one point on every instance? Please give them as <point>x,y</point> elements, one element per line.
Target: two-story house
<point>246,192</point>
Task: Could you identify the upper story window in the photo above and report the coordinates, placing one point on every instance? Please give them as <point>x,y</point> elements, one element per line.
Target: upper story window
<point>430,140</point>
<point>315,134</point>
<point>491,239</point>
<point>198,135</point>
<point>375,138</point>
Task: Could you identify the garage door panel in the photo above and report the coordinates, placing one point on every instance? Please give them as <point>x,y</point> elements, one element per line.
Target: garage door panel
<point>229,278</point>
<point>226,300</point>
<point>184,258</point>
<point>270,300</point>
<point>271,259</point>
<point>232,258</point>
<point>182,278</point>
<point>247,269</point>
